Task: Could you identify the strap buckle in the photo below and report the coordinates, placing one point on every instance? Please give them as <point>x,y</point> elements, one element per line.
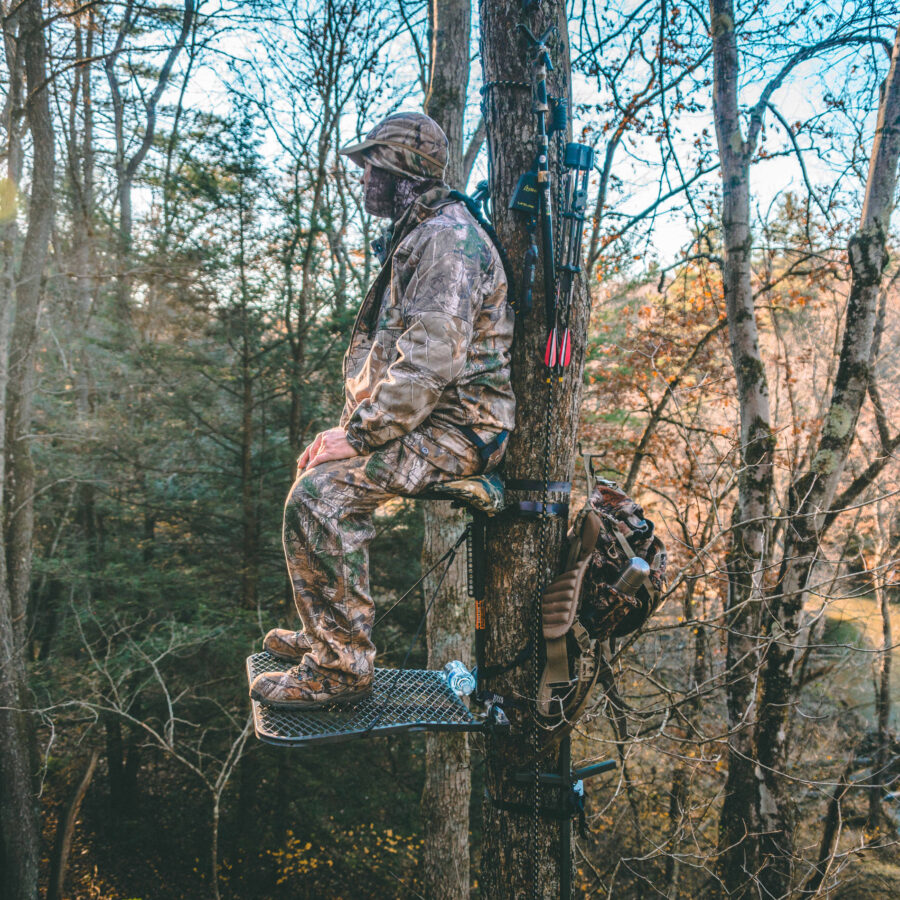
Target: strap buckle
<point>486,449</point>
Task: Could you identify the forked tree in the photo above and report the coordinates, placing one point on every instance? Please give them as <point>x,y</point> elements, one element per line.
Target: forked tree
<point>764,614</point>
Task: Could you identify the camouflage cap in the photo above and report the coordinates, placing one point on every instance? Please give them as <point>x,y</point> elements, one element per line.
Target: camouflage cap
<point>408,144</point>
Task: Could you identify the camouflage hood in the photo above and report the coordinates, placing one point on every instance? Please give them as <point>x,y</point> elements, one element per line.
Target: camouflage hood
<point>408,144</point>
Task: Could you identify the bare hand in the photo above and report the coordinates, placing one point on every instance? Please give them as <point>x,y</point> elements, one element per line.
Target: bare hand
<point>309,452</point>
<point>327,446</point>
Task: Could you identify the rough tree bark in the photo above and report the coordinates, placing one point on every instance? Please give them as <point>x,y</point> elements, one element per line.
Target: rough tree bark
<point>519,855</point>
<point>18,810</point>
<point>445,794</point>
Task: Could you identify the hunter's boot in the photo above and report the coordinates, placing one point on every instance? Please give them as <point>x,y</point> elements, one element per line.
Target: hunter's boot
<point>303,687</point>
<point>285,644</point>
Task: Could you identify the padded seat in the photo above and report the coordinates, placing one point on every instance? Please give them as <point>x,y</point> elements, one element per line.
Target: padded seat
<point>484,493</point>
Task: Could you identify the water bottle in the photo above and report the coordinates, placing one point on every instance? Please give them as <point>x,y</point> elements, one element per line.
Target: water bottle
<point>459,679</point>
<point>634,576</point>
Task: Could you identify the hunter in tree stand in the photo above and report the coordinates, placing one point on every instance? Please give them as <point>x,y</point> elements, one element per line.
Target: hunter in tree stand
<point>428,400</point>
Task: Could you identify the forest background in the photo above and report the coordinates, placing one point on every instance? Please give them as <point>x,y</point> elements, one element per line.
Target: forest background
<point>183,253</point>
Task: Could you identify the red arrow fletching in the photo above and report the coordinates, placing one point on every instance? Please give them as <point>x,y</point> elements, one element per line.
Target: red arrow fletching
<point>550,354</point>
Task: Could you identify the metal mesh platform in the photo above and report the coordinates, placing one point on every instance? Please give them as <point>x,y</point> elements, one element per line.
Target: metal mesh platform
<point>403,700</point>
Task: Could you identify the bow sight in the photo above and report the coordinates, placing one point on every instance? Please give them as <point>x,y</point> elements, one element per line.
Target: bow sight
<point>532,198</point>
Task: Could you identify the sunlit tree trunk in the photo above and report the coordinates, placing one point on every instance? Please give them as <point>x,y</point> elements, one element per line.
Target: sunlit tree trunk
<point>739,821</point>
<point>450,27</point>
<point>65,831</point>
<point>78,256</point>
<point>445,795</point>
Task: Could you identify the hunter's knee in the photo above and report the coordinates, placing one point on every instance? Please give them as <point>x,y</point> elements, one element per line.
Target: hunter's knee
<point>311,492</point>
<point>302,491</point>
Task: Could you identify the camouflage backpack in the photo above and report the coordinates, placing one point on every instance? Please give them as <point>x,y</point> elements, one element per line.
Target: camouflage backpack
<point>591,602</point>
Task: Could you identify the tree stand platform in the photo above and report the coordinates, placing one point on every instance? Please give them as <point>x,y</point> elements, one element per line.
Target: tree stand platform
<point>402,700</point>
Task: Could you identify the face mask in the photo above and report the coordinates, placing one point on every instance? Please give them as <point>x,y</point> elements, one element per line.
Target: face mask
<point>378,192</point>
<point>406,190</point>
<point>387,195</point>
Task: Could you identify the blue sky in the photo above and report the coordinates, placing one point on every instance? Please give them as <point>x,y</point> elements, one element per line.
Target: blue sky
<point>799,99</point>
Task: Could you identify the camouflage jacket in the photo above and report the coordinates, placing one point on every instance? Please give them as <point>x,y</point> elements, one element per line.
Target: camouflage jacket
<point>430,349</point>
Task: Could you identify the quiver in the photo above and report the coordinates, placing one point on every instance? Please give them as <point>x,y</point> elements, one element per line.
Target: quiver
<point>590,602</point>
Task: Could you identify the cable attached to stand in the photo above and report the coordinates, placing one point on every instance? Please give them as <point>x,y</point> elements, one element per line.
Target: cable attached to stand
<point>449,556</point>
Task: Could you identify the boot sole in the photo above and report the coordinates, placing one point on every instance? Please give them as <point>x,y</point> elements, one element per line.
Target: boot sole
<point>302,705</point>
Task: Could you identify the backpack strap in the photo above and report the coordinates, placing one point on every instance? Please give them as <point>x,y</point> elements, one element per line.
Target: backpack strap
<point>476,213</point>
<point>486,449</point>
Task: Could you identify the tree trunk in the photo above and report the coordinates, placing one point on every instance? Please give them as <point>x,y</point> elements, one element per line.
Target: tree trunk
<point>739,820</point>
<point>445,795</point>
<point>520,852</point>
<point>18,847</point>
<point>214,847</point>
<point>450,25</point>
<point>249,488</point>
<point>29,283</point>
<point>888,594</point>
<point>18,810</point>
<point>65,832</point>
<point>122,764</point>
<point>882,709</point>
<point>829,834</point>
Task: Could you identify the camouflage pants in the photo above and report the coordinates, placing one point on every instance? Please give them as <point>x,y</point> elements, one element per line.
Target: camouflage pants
<point>327,530</point>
